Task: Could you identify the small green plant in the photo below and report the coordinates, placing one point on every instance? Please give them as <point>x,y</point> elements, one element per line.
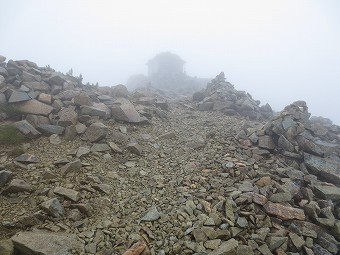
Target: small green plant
<point>10,134</point>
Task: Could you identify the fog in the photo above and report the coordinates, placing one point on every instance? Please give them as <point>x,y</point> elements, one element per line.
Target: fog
<point>278,51</point>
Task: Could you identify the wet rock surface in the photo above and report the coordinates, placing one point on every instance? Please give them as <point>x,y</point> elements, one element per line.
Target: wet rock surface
<point>185,181</point>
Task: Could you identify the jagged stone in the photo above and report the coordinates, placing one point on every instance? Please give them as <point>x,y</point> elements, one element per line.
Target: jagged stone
<point>37,120</point>
<point>226,248</point>
<point>83,99</point>
<point>100,147</point>
<point>5,176</point>
<point>327,192</point>
<point>92,111</point>
<point>135,148</point>
<point>53,208</point>
<point>45,98</point>
<point>27,158</point>
<point>124,110</point>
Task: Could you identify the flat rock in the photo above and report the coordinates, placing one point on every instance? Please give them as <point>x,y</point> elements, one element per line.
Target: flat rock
<point>83,99</point>
<point>115,147</point>
<point>67,193</point>
<point>50,129</point>
<point>45,98</point>
<point>327,168</point>
<point>327,192</point>
<point>46,243</point>
<point>34,107</point>
<point>27,158</point>
<point>18,96</point>
<point>96,132</point>
<point>100,147</point>
<point>53,208</point>
<point>82,151</point>
<point>27,129</point>
<point>284,212</point>
<point>92,111</point>
<point>266,142</point>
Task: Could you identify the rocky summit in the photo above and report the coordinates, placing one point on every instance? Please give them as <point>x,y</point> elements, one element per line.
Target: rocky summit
<point>101,170</point>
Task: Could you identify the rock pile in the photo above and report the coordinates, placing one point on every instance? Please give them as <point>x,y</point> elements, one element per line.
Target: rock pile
<point>222,96</point>
<point>190,182</point>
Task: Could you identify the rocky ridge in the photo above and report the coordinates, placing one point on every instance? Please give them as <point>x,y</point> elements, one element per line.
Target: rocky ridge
<point>106,168</point>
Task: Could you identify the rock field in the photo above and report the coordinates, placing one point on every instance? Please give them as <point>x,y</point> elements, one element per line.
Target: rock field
<point>102,170</point>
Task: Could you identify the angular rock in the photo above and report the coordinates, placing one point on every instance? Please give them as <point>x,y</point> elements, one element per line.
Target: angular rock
<point>67,117</point>
<point>327,192</point>
<point>96,132</point>
<point>151,215</point>
<point>71,167</point>
<point>82,151</point>
<point>16,186</point>
<point>27,129</point>
<point>53,208</point>
<point>115,147</point>
<point>55,139</point>
<point>45,98</point>
<point>124,110</point>
<point>226,248</point>
<point>5,176</point>
<point>80,128</point>
<point>47,243</point>
<point>120,91</point>
<point>266,142</point>
<point>327,168</point>
<point>37,120</point>
<point>284,212</point>
<point>18,96</point>
<point>92,111</point>
<point>37,86</point>
<point>27,158</point>
<point>135,148</point>
<point>100,147</point>
<point>34,107</point>
<point>67,193</point>
<point>83,99</point>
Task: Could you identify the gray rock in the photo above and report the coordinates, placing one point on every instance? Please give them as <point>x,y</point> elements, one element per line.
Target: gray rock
<point>27,158</point>
<point>67,193</point>
<point>266,142</point>
<point>27,129</point>
<point>92,111</point>
<point>151,215</point>
<point>297,241</point>
<point>327,192</point>
<point>5,176</point>
<point>55,139</point>
<point>2,59</point>
<point>18,96</point>
<point>124,110</point>
<point>37,86</point>
<point>71,167</point>
<point>37,120</point>
<point>67,117</point>
<point>50,129</point>
<point>83,99</point>
<point>34,107</point>
<point>16,186</point>
<point>53,208</point>
<point>120,91</point>
<point>135,148</point>
<point>327,168</point>
<point>57,79</point>
<point>318,250</point>
<point>226,248</point>
<point>281,197</point>
<point>115,147</point>
<point>264,249</point>
<point>199,235</point>
<point>82,151</point>
<point>96,132</point>
<point>47,243</point>
<point>100,147</point>
<point>80,128</point>
<point>3,72</point>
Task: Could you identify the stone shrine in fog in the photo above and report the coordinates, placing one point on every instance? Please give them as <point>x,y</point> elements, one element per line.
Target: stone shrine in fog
<point>165,64</point>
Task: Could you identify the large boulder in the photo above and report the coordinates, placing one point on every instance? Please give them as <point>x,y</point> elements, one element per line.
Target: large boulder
<point>27,129</point>
<point>67,117</point>
<point>34,107</point>
<point>124,110</point>
<point>96,132</point>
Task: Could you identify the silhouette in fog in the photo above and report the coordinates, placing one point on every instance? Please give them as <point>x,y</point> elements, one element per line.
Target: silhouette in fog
<point>165,64</point>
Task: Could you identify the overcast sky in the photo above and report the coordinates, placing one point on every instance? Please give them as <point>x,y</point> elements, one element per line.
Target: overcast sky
<point>279,51</point>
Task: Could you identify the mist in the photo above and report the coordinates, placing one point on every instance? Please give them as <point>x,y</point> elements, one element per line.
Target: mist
<point>278,51</point>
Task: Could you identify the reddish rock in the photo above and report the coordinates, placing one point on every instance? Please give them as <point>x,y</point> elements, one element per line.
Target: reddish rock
<point>266,142</point>
<point>45,98</point>
<point>284,212</point>
<point>259,199</point>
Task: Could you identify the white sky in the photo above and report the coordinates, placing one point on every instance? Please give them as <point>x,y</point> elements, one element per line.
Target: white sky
<point>277,50</point>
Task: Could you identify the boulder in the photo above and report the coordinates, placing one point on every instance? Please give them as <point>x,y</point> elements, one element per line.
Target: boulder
<point>95,132</point>
<point>67,117</point>
<point>18,96</point>
<point>16,186</point>
<point>27,129</point>
<point>53,208</point>
<point>5,176</point>
<point>83,99</point>
<point>67,193</point>
<point>124,110</point>
<point>51,129</point>
<point>120,91</point>
<point>71,167</point>
<point>92,111</point>
<point>45,98</point>
<point>326,168</point>
<point>34,107</point>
